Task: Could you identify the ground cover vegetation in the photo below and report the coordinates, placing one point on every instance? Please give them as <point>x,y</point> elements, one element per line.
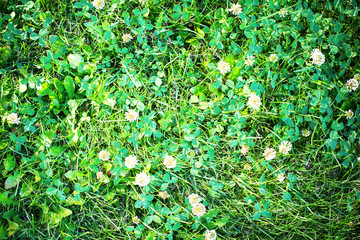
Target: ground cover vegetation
<point>182,119</point>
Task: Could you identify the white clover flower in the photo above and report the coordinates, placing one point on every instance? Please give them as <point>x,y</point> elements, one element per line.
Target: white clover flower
<point>269,154</point>
<point>358,159</point>
<point>169,162</point>
<point>164,195</point>
<point>130,161</point>
<point>235,9</point>
<point>126,37</point>
<point>131,115</point>
<point>194,199</point>
<point>22,88</point>
<point>143,1</point>
<point>99,175</point>
<point>210,235</point>
<point>317,57</point>
<point>198,209</point>
<point>305,132</point>
<point>13,118</point>
<point>104,155</point>
<point>357,77</point>
<point>142,179</point>
<point>247,166</point>
<point>349,114</point>
<point>99,4</point>
<point>250,61</point>
<point>106,179</point>
<point>283,12</point>
<point>244,149</point>
<point>352,84</point>
<point>254,101</point>
<point>280,177</point>
<point>285,147</point>
<point>223,67</point>
<point>273,57</point>
<point>135,220</point>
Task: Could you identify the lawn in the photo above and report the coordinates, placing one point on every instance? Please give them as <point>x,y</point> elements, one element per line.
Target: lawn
<point>188,119</point>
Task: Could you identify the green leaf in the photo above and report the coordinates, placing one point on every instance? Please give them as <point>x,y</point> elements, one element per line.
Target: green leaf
<point>250,199</point>
<point>267,214</point>
<point>129,228</point>
<point>256,216</point>
<point>156,219</point>
<point>3,233</point>
<point>334,49</point>
<point>69,85</point>
<point>211,213</point>
<point>42,156</point>
<point>222,221</point>
<point>287,196</point>
<point>263,189</point>
<point>13,227</point>
<point>12,181</point>
<point>78,5</point>
<point>49,137</point>
<point>165,211</point>
<point>177,8</point>
<point>337,27</point>
<point>55,217</point>
<point>75,60</point>
<point>5,200</point>
<point>5,54</point>
<point>34,36</point>
<point>157,134</point>
<point>149,27</point>
<point>57,44</point>
<point>9,163</point>
<point>26,189</point>
<point>151,235</point>
<point>189,137</point>
<point>257,206</point>
<point>51,191</point>
<point>234,143</point>
<point>262,178</point>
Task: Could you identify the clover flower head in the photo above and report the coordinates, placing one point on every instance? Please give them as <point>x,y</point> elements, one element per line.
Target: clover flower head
<point>210,235</point>
<point>235,9</point>
<point>99,175</point>
<point>13,118</point>
<point>169,161</point>
<point>269,154</point>
<point>305,132</point>
<point>250,61</point>
<point>349,114</point>
<point>244,149</point>
<point>131,161</point>
<point>283,12</point>
<point>273,57</point>
<point>254,101</point>
<point>285,147</point>
<point>352,84</point>
<point>126,37</point>
<point>224,67</point>
<point>104,155</point>
<point>198,209</point>
<point>142,179</point>
<point>318,58</point>
<point>99,4</point>
<point>131,115</point>
<point>194,199</point>
<point>164,195</point>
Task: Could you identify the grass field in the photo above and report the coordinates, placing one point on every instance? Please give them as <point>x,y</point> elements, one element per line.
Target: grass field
<point>156,119</point>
